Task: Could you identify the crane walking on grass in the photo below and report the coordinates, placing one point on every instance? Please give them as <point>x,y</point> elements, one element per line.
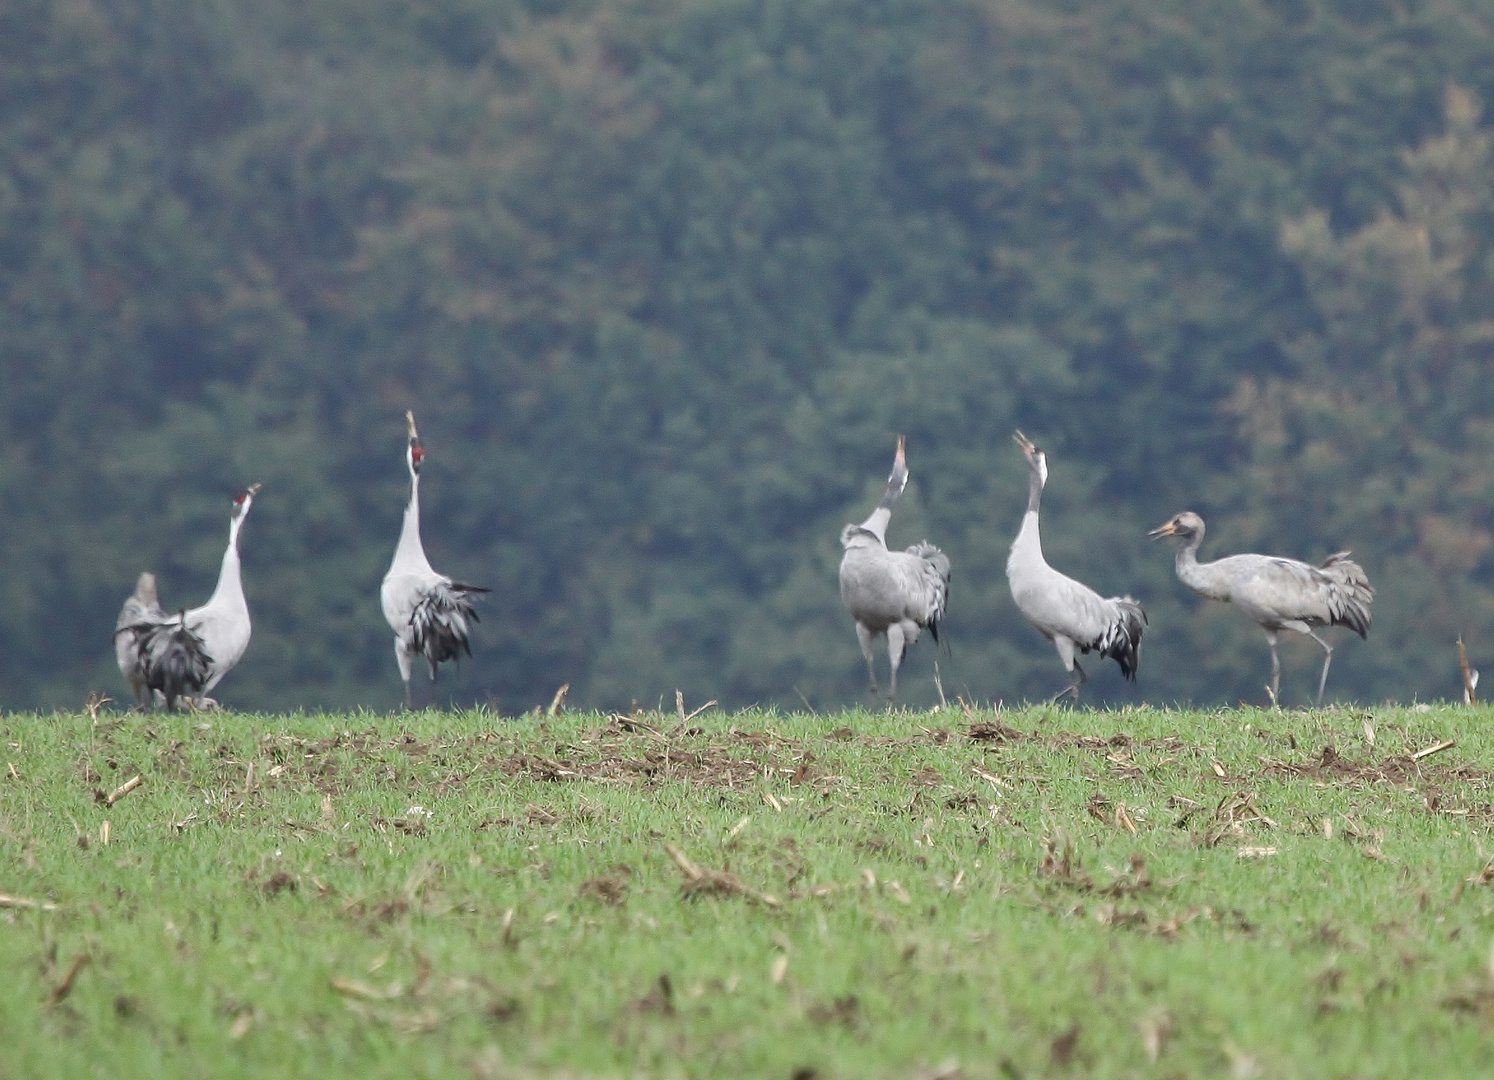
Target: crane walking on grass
<point>899,593</point>
<point>1279,594</point>
<point>187,654</point>
<point>429,613</point>
<point>1067,613</point>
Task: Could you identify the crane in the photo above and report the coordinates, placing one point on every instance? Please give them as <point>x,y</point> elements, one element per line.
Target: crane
<point>429,612</point>
<point>899,593</point>
<point>1279,594</point>
<point>142,606</point>
<point>187,654</point>
<point>1066,612</point>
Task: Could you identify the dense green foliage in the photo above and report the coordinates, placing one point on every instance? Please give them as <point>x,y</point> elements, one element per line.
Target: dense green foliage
<point>1033,893</point>
<point>662,280</point>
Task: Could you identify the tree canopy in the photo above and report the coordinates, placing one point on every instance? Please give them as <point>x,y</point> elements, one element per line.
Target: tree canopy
<point>662,280</point>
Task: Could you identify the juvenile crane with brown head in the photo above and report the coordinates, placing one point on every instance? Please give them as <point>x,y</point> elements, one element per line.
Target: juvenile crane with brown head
<point>1279,594</point>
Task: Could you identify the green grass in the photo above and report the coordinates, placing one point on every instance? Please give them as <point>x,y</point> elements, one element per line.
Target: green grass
<point>924,921</point>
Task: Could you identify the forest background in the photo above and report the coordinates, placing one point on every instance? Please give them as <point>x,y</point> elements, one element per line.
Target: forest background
<point>663,279</point>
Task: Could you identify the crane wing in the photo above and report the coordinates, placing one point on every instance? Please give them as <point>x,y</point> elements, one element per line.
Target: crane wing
<point>929,587</point>
<point>1276,590</point>
<point>881,587</point>
<point>225,631</point>
<point>1060,606</point>
<point>136,611</point>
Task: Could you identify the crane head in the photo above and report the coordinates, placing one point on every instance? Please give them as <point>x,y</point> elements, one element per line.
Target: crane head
<point>416,451</point>
<point>1187,525</point>
<point>243,499</point>
<point>1034,454</point>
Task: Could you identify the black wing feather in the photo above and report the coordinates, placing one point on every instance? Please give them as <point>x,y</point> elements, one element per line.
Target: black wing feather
<point>1121,641</point>
<point>173,659</point>
<point>439,625</point>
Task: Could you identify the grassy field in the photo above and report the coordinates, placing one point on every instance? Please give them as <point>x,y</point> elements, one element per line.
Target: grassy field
<point>1017,894</point>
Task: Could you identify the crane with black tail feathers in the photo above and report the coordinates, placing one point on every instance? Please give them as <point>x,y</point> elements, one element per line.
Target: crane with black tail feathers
<point>899,593</point>
<point>430,614</point>
<point>1071,615</point>
<point>1279,594</point>
<point>184,656</point>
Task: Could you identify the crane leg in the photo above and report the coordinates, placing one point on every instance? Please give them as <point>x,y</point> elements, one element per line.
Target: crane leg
<point>897,647</point>
<point>1327,659</point>
<point>1077,677</point>
<point>864,636</point>
<point>1275,667</point>
<point>402,658</point>
<point>899,636</point>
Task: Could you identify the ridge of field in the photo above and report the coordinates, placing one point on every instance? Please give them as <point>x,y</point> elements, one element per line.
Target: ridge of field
<point>1020,893</point>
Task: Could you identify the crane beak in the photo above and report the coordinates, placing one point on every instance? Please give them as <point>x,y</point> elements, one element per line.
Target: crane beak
<point>898,478</point>
<point>1169,528</point>
<point>410,424</point>
<point>1025,443</point>
<point>253,489</point>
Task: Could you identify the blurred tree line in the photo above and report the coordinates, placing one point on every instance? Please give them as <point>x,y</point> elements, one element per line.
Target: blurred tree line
<point>663,279</point>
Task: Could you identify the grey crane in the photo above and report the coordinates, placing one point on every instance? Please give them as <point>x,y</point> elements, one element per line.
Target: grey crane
<point>1067,613</point>
<point>429,612</point>
<point>899,593</point>
<point>140,608</point>
<point>1279,594</point>
<point>187,654</point>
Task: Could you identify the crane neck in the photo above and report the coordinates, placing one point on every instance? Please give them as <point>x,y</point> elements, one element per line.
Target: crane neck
<point>895,484</point>
<point>230,589</point>
<point>1027,548</point>
<point>1202,578</point>
<point>877,523</point>
<point>1029,541</point>
<point>410,549</point>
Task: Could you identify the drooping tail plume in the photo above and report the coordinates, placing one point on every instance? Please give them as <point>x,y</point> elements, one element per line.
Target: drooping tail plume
<point>1349,593</point>
<point>1122,639</point>
<point>439,624</point>
<point>174,659</point>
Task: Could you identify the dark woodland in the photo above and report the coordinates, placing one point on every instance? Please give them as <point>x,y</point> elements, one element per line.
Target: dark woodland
<point>663,281</point>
